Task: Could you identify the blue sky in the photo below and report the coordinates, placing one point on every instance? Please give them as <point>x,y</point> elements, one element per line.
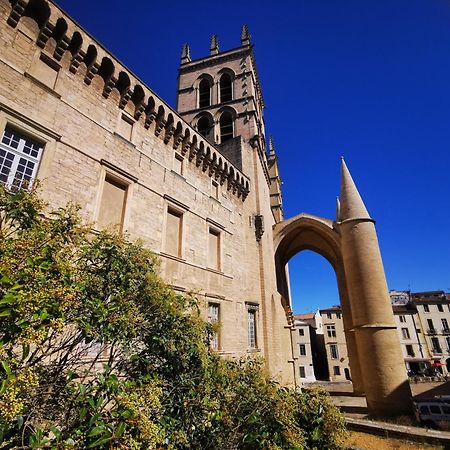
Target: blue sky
<point>369,80</point>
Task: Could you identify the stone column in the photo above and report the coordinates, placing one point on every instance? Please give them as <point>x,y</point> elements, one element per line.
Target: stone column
<point>357,380</point>
<point>381,361</point>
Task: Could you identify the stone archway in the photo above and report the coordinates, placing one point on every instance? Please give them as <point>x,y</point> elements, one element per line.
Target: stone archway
<point>350,244</point>
<point>308,232</point>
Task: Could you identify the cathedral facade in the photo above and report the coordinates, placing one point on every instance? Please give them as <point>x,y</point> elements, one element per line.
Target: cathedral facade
<point>196,184</point>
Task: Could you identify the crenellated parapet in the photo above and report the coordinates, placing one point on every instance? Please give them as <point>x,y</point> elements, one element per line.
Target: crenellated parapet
<point>66,39</point>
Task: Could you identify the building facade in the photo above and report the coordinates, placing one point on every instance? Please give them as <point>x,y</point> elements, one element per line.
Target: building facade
<point>304,350</point>
<point>335,344</point>
<point>199,196</point>
<point>433,313</point>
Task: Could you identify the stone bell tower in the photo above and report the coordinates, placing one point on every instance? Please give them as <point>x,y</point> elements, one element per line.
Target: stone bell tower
<point>220,96</point>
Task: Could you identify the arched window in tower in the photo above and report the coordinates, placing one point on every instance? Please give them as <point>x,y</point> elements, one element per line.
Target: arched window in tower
<point>204,126</point>
<point>204,93</point>
<point>226,88</point>
<point>226,126</point>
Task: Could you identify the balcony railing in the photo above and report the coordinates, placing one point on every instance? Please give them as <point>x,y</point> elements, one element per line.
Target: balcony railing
<point>445,330</point>
<point>431,331</point>
<point>437,351</point>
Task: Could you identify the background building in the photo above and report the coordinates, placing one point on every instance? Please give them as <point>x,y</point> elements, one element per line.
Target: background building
<point>335,344</point>
<point>433,311</point>
<point>305,349</point>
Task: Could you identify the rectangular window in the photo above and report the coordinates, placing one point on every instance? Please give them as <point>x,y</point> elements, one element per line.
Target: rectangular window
<point>409,350</point>
<point>302,349</point>
<point>125,128</point>
<point>215,189</point>
<point>440,308</point>
<point>402,319</point>
<point>301,332</point>
<point>19,159</point>
<point>405,333</point>
<point>334,351</point>
<point>445,325</point>
<point>430,326</point>
<point>426,308</point>
<point>251,327</point>
<point>174,225</point>
<point>329,316</point>
<point>213,249</point>
<point>331,331</point>
<point>112,205</point>
<point>302,372</point>
<point>178,164</point>
<point>336,370</point>
<point>436,345</point>
<point>213,317</point>
<point>447,341</point>
<point>338,315</point>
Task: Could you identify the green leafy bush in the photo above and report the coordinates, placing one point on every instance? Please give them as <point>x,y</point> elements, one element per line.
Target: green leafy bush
<point>97,352</point>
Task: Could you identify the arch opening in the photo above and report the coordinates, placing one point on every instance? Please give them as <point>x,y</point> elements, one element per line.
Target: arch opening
<point>204,93</point>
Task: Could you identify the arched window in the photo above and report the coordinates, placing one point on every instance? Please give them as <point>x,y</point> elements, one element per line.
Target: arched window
<point>204,126</point>
<point>226,126</point>
<point>226,88</point>
<point>204,94</point>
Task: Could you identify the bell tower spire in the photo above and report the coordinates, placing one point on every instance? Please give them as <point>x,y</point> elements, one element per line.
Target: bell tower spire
<point>245,36</point>
<point>214,45</point>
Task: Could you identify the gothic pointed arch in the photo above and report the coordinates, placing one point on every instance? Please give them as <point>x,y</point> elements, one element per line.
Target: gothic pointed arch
<point>226,121</point>
<point>205,125</point>
<point>204,85</point>
<point>226,85</point>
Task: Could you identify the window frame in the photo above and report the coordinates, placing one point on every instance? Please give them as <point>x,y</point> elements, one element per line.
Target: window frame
<point>331,330</point>
<point>228,135</point>
<point>405,333</point>
<point>302,350</point>
<point>178,157</point>
<point>204,79</point>
<point>252,311</point>
<point>214,231</point>
<point>334,354</point>
<point>214,342</point>
<point>302,371</point>
<point>19,154</point>
<point>231,87</point>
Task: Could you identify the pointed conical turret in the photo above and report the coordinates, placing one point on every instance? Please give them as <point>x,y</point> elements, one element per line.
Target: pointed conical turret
<point>351,204</point>
<point>185,54</point>
<point>245,36</point>
<point>214,45</point>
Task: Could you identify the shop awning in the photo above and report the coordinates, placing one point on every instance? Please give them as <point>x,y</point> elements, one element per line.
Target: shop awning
<point>438,364</point>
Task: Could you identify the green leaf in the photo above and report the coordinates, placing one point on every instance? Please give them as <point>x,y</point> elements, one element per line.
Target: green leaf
<point>100,441</point>
<point>120,429</point>
<point>6,367</point>
<point>3,387</point>
<point>25,351</point>
<point>5,312</point>
<point>97,430</point>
